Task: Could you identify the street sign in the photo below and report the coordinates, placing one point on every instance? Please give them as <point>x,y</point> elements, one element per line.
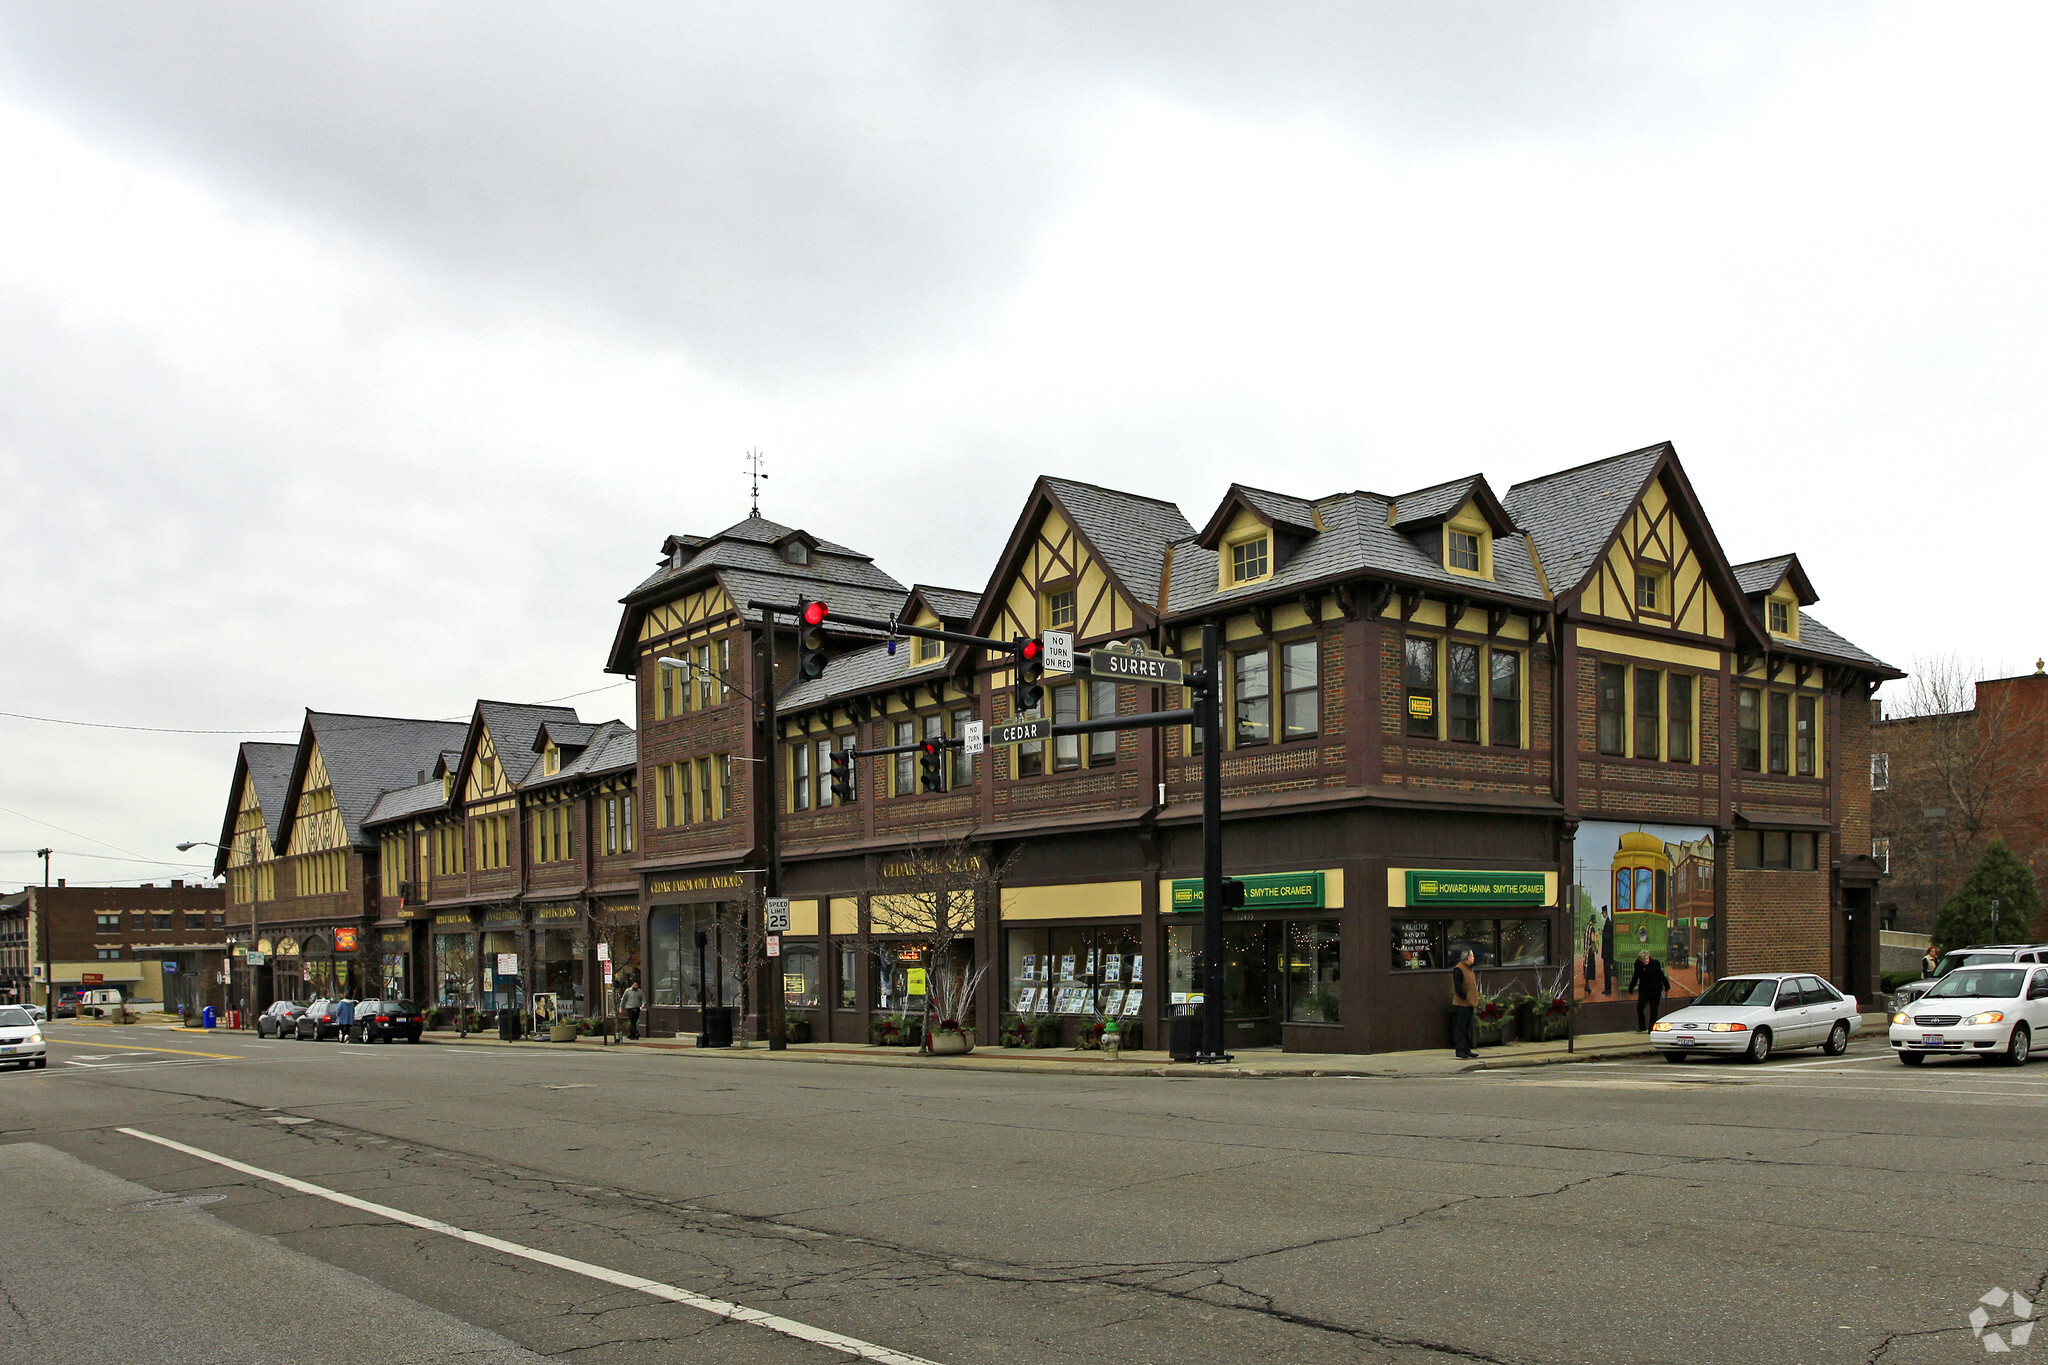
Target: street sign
<point>508,964</point>
<point>775,945</point>
<point>604,952</point>
<point>606,963</point>
<point>1059,651</point>
<point>170,969</point>
<point>971,738</point>
<point>778,915</point>
<point>257,959</point>
<point>1114,663</point>
<point>1017,731</point>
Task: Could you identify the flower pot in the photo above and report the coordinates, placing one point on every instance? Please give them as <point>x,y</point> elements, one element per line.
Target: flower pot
<point>950,1043</point>
<point>559,1032</point>
<point>1485,1033</point>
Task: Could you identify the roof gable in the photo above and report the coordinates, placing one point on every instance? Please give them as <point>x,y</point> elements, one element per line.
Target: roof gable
<point>1573,515</point>
<point>1110,548</point>
<point>1284,514</point>
<point>1761,577</point>
<point>267,769</point>
<point>1437,504</point>
<point>364,757</point>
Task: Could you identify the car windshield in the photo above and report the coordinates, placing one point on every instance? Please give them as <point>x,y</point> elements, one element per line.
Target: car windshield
<point>1955,960</point>
<point>15,1019</point>
<point>1985,983</point>
<point>1738,990</point>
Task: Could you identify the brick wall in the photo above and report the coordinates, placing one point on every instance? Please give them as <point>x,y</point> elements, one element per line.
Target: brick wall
<point>1777,921</point>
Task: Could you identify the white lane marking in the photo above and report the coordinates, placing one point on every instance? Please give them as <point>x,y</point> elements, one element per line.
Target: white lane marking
<point>788,1327</point>
<point>1830,1061</point>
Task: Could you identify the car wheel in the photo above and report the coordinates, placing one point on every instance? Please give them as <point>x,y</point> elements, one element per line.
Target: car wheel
<point>1913,1058</point>
<point>1673,1056</point>
<point>1838,1039</point>
<point>42,1062</point>
<point>2019,1047</point>
<point>1759,1046</point>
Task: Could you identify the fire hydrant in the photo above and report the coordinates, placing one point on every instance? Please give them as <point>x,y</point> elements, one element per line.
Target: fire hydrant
<point>1112,1040</point>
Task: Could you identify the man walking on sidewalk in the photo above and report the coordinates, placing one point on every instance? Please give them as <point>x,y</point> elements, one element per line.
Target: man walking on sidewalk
<point>1649,983</point>
<point>1464,1002</point>
<point>629,1005</point>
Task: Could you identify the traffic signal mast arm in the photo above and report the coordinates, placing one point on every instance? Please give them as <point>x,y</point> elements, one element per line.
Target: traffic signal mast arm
<point>891,626</point>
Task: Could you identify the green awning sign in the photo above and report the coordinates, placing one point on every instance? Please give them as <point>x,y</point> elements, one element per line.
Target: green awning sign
<point>1477,888</point>
<point>1263,891</point>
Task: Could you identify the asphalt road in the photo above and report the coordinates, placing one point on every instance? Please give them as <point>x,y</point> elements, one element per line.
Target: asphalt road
<point>607,1206</point>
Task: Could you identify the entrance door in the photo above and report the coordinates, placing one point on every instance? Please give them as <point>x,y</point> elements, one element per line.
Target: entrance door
<point>1251,983</point>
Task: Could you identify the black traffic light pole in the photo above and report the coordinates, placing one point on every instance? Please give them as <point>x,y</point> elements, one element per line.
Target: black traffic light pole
<point>1206,714</point>
<point>777,1038</point>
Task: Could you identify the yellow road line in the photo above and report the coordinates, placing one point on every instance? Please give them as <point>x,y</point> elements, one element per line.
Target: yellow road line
<point>131,1047</point>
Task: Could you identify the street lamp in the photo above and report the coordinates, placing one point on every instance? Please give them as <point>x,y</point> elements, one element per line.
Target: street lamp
<point>49,949</point>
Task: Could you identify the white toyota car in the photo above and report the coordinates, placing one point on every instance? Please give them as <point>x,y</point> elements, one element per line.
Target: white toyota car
<point>1990,1012</point>
<point>1754,1016</point>
<point>21,1039</point>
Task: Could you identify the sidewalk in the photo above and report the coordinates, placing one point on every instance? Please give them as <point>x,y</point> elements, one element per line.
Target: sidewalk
<point>1074,1062</point>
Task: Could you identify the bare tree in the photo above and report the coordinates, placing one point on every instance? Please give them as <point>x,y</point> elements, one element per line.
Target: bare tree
<point>1951,766</point>
<point>937,895</point>
<point>615,929</point>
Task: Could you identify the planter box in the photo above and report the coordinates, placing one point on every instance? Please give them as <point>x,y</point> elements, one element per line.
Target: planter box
<point>562,1033</point>
<point>950,1043</point>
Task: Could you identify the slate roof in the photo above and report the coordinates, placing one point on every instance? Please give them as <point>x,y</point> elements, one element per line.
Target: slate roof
<point>950,604</point>
<point>406,802</point>
<point>1572,515</point>
<point>1434,503</point>
<point>613,747</point>
<point>565,734</point>
<point>1130,532</point>
<point>1816,638</point>
<point>1761,575</point>
<point>861,670</point>
<point>513,727</point>
<point>367,756</point>
<point>748,545</point>
<point>270,768</point>
<point>1355,539</point>
<point>1280,507</point>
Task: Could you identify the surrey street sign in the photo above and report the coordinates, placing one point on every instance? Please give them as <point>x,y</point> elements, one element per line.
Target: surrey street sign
<point>1114,663</point>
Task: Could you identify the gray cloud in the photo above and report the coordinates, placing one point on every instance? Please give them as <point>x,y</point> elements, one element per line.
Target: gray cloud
<point>794,187</point>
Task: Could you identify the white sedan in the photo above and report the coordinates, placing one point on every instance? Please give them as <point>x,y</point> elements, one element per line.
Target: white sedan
<point>1990,1012</point>
<point>1758,1015</point>
<point>21,1039</point>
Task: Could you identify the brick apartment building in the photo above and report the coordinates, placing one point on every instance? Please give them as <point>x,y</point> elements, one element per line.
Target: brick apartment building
<point>1947,784</point>
<point>152,943</point>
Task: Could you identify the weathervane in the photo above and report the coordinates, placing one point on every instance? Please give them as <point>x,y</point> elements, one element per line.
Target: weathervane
<point>754,477</point>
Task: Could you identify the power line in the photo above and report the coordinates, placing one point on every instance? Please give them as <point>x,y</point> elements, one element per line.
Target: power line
<point>181,730</point>
<point>102,857</point>
<point>75,834</point>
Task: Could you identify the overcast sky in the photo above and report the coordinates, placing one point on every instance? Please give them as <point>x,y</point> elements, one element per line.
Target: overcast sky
<point>361,356</point>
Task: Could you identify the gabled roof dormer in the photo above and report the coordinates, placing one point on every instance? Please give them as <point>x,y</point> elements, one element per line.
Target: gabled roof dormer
<point>1254,533</point>
<point>1454,523</point>
<point>1776,589</point>
<point>797,548</point>
<point>1082,558</point>
<point>936,609</point>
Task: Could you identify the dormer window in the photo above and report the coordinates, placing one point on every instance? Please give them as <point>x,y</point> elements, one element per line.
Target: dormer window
<point>551,761</point>
<point>1781,618</point>
<point>928,650</point>
<point>796,552</point>
<point>1059,609</point>
<point>1461,551</point>
<point>1251,560</point>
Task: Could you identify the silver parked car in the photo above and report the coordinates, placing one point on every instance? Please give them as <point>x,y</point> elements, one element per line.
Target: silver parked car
<point>1754,1016</point>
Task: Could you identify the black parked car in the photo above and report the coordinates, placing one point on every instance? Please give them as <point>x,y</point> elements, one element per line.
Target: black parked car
<point>321,1021</point>
<point>281,1018</point>
<point>388,1019</point>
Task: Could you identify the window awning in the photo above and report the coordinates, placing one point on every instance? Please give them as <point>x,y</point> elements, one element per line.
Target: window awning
<point>1772,819</point>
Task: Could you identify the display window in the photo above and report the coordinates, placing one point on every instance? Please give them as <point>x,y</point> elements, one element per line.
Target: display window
<point>1093,970</point>
<point>800,984</point>
<point>1275,971</point>
<point>1435,944</point>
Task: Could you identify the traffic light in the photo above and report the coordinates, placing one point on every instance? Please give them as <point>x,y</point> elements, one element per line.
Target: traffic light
<point>1233,894</point>
<point>931,764</point>
<point>842,776</point>
<point>1029,690</point>
<point>810,659</point>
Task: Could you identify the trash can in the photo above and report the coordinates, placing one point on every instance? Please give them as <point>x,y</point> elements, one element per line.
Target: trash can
<point>508,1026</point>
<point>206,1019</point>
<point>1184,1037</point>
<point>717,1027</point>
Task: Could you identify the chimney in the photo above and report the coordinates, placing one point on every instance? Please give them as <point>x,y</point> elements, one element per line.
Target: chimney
<point>177,885</point>
<point>60,881</point>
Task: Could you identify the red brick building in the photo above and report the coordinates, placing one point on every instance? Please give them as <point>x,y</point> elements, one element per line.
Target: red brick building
<point>163,944</point>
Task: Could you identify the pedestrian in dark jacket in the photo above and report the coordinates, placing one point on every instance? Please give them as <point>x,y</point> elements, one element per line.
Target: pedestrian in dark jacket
<point>1464,1001</point>
<point>345,1017</point>
<point>1649,983</point>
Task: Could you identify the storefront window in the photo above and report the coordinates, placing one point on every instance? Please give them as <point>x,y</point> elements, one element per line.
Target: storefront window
<point>849,976</point>
<point>500,989</point>
<point>561,973</point>
<point>1423,944</point>
<point>800,986</point>
<point>1312,972</point>
<point>1092,970</point>
<point>454,967</point>
<point>893,964</point>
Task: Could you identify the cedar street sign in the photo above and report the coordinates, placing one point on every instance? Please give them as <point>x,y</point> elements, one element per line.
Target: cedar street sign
<point>1114,663</point>
<point>1018,731</point>
<point>1264,891</point>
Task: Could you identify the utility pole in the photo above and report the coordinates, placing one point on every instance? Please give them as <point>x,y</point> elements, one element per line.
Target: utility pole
<point>1209,710</point>
<point>49,951</point>
<point>772,761</point>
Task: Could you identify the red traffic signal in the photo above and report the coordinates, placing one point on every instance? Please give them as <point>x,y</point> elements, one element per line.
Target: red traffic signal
<point>814,613</point>
<point>1030,649</point>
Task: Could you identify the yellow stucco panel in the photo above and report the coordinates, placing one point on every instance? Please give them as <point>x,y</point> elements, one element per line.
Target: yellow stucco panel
<point>803,918</point>
<point>1057,561</point>
<point>316,824</point>
<point>690,611</point>
<point>1082,900</point>
<point>845,915</point>
<point>1654,542</point>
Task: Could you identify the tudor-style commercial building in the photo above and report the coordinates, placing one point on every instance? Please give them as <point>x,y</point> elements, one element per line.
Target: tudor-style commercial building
<point>1557,727</point>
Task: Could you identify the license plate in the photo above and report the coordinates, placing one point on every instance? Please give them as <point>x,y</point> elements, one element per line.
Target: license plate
<point>1932,1039</point>
<point>6,1047</point>
<point>1685,1042</point>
